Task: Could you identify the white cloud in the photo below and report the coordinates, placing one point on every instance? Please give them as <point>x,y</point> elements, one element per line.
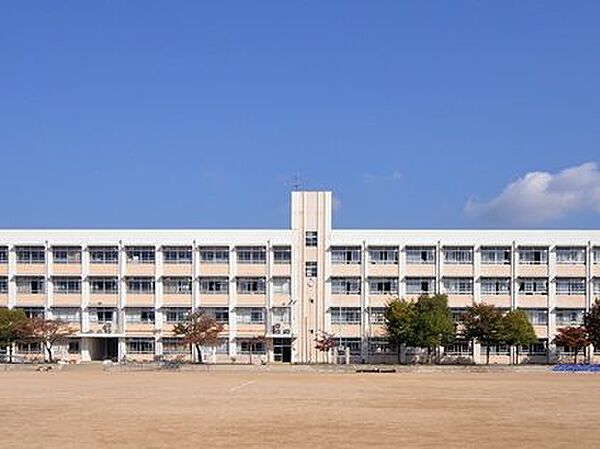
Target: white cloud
<point>540,197</point>
<point>370,178</point>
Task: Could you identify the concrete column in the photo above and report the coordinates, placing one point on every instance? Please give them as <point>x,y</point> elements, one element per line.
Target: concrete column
<point>438,267</point>
<point>195,276</point>
<point>232,302</point>
<point>401,272</point>
<point>269,298</point>
<point>476,274</point>
<point>12,272</point>
<point>364,306</point>
<point>49,284</point>
<point>85,287</point>
<point>552,300</point>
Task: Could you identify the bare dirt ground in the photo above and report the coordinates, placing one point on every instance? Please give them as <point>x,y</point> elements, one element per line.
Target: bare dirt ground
<point>89,408</point>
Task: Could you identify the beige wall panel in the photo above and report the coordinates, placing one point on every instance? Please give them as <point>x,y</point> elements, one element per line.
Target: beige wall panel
<point>3,269</point>
<point>495,271</point>
<point>282,270</point>
<point>346,330</point>
<point>345,300</point>
<point>177,269</point>
<point>214,300</point>
<point>529,301</point>
<point>144,330</point>
<point>532,270</point>
<point>214,269</point>
<point>104,269</point>
<point>578,271</point>
<point>31,269</point>
<point>251,300</point>
<point>173,300</point>
<point>457,270</point>
<point>343,270</point>
<point>570,301</point>
<point>103,300</point>
<point>66,269</point>
<point>280,299</point>
<point>420,270</point>
<point>460,300</point>
<point>383,270</point>
<point>380,300</point>
<point>3,300</point>
<point>31,300</point>
<point>66,300</point>
<point>250,330</point>
<point>140,269</point>
<point>596,270</point>
<point>541,331</point>
<point>252,270</point>
<point>502,301</point>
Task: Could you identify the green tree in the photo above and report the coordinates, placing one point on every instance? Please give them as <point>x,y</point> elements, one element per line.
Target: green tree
<point>198,330</point>
<point>591,323</point>
<point>11,326</point>
<point>400,316</point>
<point>483,323</point>
<point>517,330</point>
<point>572,337</point>
<point>434,326</point>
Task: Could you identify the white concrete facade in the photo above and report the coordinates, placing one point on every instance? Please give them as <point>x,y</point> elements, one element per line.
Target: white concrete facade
<point>275,290</point>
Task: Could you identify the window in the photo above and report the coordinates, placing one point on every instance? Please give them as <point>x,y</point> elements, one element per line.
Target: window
<point>67,314</point>
<point>345,286</point>
<point>140,254</point>
<point>569,317</point>
<point>104,254</point>
<point>458,286</point>
<point>311,238</point>
<point>533,286</point>
<point>251,286</point>
<point>173,345</point>
<point>345,255</point>
<point>458,255</point>
<point>597,286</point>
<point>3,254</point>
<point>29,348</point>
<point>281,286</point>
<point>139,316</point>
<point>570,256</point>
<point>66,254</point>
<point>377,315</point>
<point>385,255</point>
<point>251,347</point>
<point>220,314</point>
<point>495,255</point>
<point>30,285</point>
<point>495,286</point>
<point>3,285</point>
<point>570,286</point>
<point>177,254</point>
<point>420,286</point>
<point>214,254</point>
<point>251,254</point>
<point>310,269</point>
<point>596,253</point>
<point>31,254</point>
<point>104,285</point>
<point>497,349</point>
<point>176,314</point>
<point>383,286</point>
<point>177,285</point>
<point>73,346</point>
<point>281,315</point>
<point>538,348</point>
<point>33,312</point>
<point>351,343</point>
<point>282,254</point>
<point>102,315</point>
<point>67,285</point>
<point>458,313</point>
<point>533,255</point>
<point>140,285</point>
<point>420,255</point>
<point>250,315</point>
<point>459,348</point>
<point>345,315</point>
<point>214,286</point>
<point>537,317</point>
<point>140,345</point>
<point>380,345</point>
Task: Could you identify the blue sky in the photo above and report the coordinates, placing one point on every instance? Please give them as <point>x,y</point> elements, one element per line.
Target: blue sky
<point>190,114</point>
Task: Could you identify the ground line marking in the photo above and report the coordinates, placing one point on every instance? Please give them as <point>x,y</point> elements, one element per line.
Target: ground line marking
<point>242,385</point>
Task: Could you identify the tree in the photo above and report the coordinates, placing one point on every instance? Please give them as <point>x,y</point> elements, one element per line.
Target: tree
<point>198,330</point>
<point>517,330</point>
<point>572,337</point>
<point>434,326</point>
<point>400,316</point>
<point>484,323</point>
<point>11,322</point>
<point>591,323</point>
<point>325,342</point>
<point>46,331</point>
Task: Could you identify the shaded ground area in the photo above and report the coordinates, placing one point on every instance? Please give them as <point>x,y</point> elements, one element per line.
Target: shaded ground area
<point>91,408</point>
